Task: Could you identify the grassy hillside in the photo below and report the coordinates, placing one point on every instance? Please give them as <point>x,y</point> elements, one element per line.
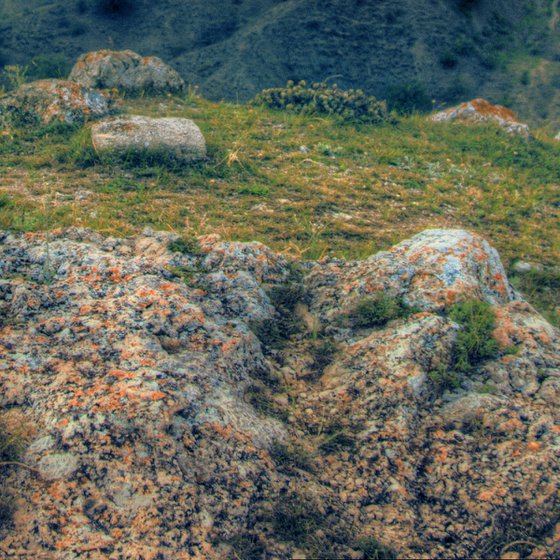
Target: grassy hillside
<point>307,186</point>
<point>447,50</point>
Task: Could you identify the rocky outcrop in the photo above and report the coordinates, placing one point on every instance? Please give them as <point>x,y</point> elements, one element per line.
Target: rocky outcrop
<point>179,139</point>
<point>432,270</point>
<point>127,72</point>
<point>48,101</point>
<point>156,414</point>
<point>480,110</point>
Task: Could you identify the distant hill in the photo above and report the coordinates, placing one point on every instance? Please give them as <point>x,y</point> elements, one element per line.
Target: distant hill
<point>409,50</point>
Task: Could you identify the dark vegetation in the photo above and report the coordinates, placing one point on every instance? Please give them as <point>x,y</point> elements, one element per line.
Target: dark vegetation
<point>284,297</point>
<point>517,530</point>
<point>475,343</point>
<point>321,99</point>
<point>376,312</point>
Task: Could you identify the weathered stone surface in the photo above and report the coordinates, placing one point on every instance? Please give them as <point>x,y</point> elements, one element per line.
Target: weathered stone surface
<point>432,270</point>
<point>480,110</point>
<point>126,71</point>
<point>47,101</point>
<point>134,381</point>
<point>175,138</point>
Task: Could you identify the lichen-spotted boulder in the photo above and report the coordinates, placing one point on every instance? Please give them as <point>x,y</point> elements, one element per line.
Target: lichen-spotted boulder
<point>48,101</point>
<point>127,72</point>
<point>432,270</point>
<point>480,110</point>
<point>170,138</point>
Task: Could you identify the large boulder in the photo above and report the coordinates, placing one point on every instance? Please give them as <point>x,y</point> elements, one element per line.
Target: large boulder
<point>480,110</point>
<point>47,101</point>
<point>178,139</point>
<point>127,72</point>
<point>159,426</point>
<point>432,270</point>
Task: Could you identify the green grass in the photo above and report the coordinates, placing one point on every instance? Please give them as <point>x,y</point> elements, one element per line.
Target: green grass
<point>375,185</point>
<point>377,311</point>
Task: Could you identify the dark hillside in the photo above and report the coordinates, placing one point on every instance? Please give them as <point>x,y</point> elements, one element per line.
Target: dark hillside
<point>506,50</point>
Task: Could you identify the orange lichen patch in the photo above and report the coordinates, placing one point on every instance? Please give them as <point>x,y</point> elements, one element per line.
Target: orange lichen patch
<point>511,425</point>
<point>544,338</point>
<point>157,395</point>
<point>485,108</point>
<point>121,374</point>
<point>534,445</point>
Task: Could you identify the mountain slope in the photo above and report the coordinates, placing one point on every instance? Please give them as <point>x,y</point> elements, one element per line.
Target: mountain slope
<point>507,51</point>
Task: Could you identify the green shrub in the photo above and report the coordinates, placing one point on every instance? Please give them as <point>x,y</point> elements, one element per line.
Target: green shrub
<point>378,311</point>
<point>321,99</point>
<point>444,379</point>
<point>186,247</point>
<point>475,341</point>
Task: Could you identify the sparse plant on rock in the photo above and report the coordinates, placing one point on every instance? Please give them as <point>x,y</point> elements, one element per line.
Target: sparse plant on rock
<point>475,341</point>
<point>377,311</point>
<point>16,75</point>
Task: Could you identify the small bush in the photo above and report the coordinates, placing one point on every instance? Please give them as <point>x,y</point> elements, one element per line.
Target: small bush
<point>444,379</point>
<point>378,311</point>
<point>475,341</point>
<point>186,247</point>
<point>321,99</point>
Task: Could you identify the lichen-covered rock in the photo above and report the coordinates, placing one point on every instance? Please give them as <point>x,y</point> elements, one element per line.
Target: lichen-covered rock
<point>143,438</point>
<point>480,110</point>
<point>138,374</point>
<point>48,101</point>
<point>432,270</point>
<point>127,72</point>
<point>174,138</point>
